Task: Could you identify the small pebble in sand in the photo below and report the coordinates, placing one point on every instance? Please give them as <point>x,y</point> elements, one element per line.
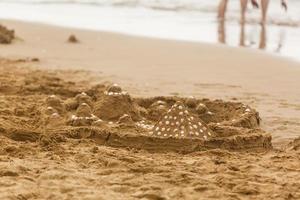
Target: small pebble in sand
<point>126,119</point>
<point>55,115</point>
<point>99,123</point>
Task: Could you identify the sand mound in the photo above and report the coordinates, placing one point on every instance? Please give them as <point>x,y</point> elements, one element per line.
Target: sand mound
<point>6,35</point>
<point>115,103</point>
<point>112,117</point>
<point>73,39</point>
<point>179,123</point>
<point>55,104</point>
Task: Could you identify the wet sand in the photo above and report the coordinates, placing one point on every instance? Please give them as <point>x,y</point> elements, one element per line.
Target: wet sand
<point>80,168</point>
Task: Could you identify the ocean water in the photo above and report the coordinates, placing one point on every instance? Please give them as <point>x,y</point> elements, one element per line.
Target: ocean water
<point>189,20</point>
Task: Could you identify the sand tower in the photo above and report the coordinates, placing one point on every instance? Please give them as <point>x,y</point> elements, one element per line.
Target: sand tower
<point>178,122</point>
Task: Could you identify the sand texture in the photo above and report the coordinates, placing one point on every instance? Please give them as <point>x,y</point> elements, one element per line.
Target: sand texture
<point>185,121</point>
<point>54,147</point>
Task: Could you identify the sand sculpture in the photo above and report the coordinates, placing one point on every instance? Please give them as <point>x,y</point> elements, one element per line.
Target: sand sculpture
<point>178,122</point>
<point>6,35</point>
<point>55,105</point>
<point>112,117</point>
<point>83,116</point>
<point>115,103</point>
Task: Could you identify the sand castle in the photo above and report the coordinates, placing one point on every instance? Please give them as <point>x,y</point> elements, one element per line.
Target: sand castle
<point>116,119</point>
<point>83,116</point>
<point>114,104</point>
<point>112,117</point>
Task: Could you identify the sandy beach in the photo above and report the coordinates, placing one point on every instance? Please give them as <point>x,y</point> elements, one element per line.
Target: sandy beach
<point>70,168</point>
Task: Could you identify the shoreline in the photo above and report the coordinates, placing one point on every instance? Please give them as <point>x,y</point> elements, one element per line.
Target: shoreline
<point>188,41</point>
<point>194,27</point>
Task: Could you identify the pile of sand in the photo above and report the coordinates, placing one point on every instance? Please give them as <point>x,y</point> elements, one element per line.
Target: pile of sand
<point>6,35</point>
<point>73,39</point>
<point>42,103</point>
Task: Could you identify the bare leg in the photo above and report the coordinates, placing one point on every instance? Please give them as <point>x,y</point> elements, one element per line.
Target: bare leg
<point>263,37</point>
<point>254,4</point>
<point>264,8</point>
<point>242,35</point>
<point>243,10</point>
<point>222,9</point>
<point>221,17</point>
<point>284,4</point>
<point>222,32</point>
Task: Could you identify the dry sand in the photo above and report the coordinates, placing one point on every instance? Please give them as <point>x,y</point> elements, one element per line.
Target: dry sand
<point>34,165</point>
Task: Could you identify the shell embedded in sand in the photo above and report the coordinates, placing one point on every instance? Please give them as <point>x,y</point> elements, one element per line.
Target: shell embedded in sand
<point>179,123</point>
<point>54,120</point>
<point>125,119</point>
<point>99,123</point>
<point>83,98</point>
<point>159,103</point>
<point>83,117</point>
<point>49,110</point>
<point>114,90</point>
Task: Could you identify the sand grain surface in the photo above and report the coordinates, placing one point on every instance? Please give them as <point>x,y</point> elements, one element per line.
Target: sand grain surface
<point>64,165</point>
<point>35,166</point>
